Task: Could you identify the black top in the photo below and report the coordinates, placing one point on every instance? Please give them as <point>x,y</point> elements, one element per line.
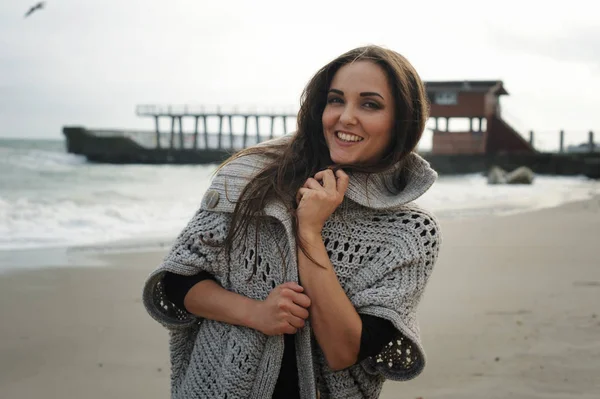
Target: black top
<point>376,333</point>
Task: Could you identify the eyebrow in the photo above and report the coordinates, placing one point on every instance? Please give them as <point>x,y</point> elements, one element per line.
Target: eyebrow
<point>363,94</point>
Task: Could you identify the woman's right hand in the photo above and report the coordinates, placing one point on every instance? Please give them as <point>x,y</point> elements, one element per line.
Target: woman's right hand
<point>284,310</point>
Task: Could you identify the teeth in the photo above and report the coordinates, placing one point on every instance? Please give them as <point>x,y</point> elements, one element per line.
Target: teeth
<point>348,137</point>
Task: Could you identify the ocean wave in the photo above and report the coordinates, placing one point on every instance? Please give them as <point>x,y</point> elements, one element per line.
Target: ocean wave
<point>38,160</point>
<point>97,203</point>
<point>28,223</point>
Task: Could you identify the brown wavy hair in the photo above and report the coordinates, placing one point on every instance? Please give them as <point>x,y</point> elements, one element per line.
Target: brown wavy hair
<point>290,165</point>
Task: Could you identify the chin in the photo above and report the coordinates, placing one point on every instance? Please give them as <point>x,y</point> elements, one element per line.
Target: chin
<point>342,160</point>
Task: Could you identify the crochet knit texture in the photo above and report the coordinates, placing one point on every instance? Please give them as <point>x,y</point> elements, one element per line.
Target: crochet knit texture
<point>382,246</point>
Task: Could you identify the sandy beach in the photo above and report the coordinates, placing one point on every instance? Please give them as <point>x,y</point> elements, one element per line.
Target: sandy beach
<point>511,311</point>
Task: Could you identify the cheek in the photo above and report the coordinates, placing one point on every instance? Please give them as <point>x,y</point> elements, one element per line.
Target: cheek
<point>382,131</point>
<point>328,118</point>
<point>386,128</point>
<point>378,128</point>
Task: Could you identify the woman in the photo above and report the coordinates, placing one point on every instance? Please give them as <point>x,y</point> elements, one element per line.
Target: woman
<point>301,272</point>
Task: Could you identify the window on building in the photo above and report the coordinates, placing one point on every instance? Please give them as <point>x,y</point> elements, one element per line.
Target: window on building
<point>446,98</point>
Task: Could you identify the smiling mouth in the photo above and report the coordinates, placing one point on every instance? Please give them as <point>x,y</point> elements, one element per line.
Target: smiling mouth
<point>348,138</point>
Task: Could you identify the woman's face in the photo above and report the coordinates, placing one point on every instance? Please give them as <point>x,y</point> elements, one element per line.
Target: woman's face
<point>359,115</point>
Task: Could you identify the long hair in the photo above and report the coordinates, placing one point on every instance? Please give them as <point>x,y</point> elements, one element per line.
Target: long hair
<point>291,164</point>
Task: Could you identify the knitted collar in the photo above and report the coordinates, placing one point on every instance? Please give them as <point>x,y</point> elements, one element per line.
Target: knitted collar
<point>382,191</point>
<point>392,188</point>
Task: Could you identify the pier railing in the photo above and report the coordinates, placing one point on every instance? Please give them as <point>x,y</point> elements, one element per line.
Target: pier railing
<point>563,141</point>
<point>220,128</point>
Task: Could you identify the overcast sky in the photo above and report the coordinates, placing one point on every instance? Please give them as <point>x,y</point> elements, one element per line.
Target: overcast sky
<point>91,62</point>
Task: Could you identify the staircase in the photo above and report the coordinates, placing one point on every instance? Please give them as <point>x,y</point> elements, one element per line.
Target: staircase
<point>502,138</point>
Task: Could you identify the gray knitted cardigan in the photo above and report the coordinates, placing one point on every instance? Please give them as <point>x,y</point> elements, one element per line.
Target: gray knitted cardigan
<point>382,247</point>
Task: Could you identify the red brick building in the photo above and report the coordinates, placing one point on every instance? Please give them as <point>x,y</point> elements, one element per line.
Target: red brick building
<point>479,102</point>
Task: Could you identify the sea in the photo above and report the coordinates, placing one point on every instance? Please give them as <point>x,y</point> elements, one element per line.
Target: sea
<point>52,199</point>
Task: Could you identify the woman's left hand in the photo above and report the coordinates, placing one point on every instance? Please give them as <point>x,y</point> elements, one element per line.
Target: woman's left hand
<point>319,198</point>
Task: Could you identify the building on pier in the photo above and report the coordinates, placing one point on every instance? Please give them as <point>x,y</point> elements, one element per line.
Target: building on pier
<point>478,102</point>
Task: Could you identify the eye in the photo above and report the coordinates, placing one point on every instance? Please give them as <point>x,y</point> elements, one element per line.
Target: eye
<point>372,105</point>
<point>334,100</point>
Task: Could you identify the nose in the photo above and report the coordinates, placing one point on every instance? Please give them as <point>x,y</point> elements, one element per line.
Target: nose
<point>348,116</point>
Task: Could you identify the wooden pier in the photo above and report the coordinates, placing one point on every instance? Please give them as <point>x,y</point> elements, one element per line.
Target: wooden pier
<point>225,137</point>
<point>212,135</point>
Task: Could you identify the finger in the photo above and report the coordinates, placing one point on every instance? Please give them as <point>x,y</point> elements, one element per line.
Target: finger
<point>295,322</point>
<point>289,329</point>
<point>313,184</point>
<point>296,298</point>
<point>300,299</point>
<point>299,311</point>
<point>292,286</point>
<point>328,179</point>
<point>342,181</point>
<point>319,175</point>
<point>301,193</point>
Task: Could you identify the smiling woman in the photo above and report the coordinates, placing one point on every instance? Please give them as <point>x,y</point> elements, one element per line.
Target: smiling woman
<point>300,273</point>
<point>359,115</point>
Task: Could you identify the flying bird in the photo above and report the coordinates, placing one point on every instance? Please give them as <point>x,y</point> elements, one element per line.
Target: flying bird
<point>36,7</point>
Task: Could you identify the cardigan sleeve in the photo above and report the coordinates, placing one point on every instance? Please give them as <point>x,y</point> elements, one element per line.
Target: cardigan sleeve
<point>197,249</point>
<point>396,295</point>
